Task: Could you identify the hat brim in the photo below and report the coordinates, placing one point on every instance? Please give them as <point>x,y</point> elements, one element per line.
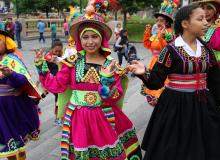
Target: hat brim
<point>2,32</point>
<point>169,18</point>
<point>75,26</point>
<point>207,1</point>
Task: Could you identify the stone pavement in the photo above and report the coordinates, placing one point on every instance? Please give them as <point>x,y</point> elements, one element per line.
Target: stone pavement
<point>47,147</point>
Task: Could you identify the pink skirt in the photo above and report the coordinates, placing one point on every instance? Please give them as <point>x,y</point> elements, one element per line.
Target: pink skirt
<point>91,133</point>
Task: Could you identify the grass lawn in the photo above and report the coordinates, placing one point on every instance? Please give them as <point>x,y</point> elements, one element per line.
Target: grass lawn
<point>136,27</point>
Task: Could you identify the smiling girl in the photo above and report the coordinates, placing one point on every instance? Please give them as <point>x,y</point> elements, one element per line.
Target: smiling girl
<point>94,127</point>
<point>185,123</point>
<point>212,36</point>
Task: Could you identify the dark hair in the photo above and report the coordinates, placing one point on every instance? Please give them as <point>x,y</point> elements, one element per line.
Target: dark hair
<point>168,21</point>
<point>183,14</point>
<point>57,42</point>
<point>122,32</point>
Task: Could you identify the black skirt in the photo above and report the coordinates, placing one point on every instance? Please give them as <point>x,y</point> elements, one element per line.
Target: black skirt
<point>183,126</point>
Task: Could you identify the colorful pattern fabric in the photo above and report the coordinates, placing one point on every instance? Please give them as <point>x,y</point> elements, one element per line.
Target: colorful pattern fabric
<point>192,106</point>
<point>15,64</point>
<point>89,114</point>
<point>19,119</point>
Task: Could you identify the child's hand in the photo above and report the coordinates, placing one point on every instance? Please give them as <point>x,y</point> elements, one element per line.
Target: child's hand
<point>5,70</point>
<point>110,69</point>
<point>136,67</point>
<point>38,55</point>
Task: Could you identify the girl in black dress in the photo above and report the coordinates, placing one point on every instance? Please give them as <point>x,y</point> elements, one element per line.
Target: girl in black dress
<point>185,124</point>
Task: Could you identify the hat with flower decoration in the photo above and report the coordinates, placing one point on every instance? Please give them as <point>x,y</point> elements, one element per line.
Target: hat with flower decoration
<point>167,9</point>
<point>94,15</point>
<point>215,4</point>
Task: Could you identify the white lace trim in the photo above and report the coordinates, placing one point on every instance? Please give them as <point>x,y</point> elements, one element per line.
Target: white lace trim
<point>94,146</point>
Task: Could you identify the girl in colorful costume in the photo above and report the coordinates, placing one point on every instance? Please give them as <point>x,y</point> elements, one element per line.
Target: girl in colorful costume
<point>185,123</point>
<point>19,119</point>
<point>212,36</point>
<point>94,127</point>
<point>155,39</point>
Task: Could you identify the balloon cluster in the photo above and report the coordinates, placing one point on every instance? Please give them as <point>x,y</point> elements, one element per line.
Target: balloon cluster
<point>99,6</point>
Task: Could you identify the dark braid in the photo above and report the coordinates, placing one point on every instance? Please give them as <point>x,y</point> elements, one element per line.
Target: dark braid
<point>183,14</point>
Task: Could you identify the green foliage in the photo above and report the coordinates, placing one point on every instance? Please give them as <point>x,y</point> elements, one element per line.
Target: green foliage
<point>136,27</point>
<point>29,6</point>
<point>77,2</point>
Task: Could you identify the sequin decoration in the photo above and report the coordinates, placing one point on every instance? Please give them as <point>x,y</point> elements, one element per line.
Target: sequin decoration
<point>91,76</point>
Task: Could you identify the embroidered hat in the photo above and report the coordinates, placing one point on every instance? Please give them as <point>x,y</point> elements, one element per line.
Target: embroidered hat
<point>93,16</point>
<point>167,9</point>
<point>214,3</point>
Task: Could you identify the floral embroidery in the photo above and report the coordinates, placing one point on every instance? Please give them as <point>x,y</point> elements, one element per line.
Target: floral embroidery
<point>90,98</point>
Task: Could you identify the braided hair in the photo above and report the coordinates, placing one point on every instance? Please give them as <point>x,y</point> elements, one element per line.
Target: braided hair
<point>183,14</point>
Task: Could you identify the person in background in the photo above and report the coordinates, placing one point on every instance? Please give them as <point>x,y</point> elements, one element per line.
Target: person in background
<point>212,36</point>
<point>117,30</point>
<point>19,121</point>
<point>122,45</point>
<point>41,29</point>
<point>155,39</point>
<point>2,25</point>
<point>53,29</point>
<point>66,29</point>
<point>10,27</point>
<point>52,63</point>
<point>18,29</point>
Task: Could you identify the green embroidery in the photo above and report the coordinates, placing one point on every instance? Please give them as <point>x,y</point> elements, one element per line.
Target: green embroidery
<point>135,157</point>
<point>98,153</point>
<point>22,71</point>
<point>129,135</point>
<point>163,54</point>
<point>80,65</point>
<point>209,34</point>
<point>86,98</point>
<point>44,67</point>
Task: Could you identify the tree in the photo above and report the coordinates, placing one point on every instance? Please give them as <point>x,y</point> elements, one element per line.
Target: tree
<point>129,6</point>
<point>132,6</point>
<point>29,6</point>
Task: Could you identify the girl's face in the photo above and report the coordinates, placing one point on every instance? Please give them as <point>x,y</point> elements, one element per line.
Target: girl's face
<point>197,24</point>
<point>2,48</point>
<point>57,51</point>
<point>209,12</point>
<point>91,42</point>
<point>161,22</point>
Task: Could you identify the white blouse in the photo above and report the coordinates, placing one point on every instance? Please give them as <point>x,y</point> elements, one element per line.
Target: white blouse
<point>179,42</point>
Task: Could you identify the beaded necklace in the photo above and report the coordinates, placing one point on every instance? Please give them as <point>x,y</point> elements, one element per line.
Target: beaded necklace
<point>80,67</point>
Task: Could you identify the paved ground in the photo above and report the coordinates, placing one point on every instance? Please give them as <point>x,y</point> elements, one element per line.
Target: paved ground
<point>47,148</point>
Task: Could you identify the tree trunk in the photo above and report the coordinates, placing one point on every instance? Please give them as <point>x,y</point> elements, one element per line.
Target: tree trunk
<point>116,15</point>
<point>47,12</point>
<point>125,19</point>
